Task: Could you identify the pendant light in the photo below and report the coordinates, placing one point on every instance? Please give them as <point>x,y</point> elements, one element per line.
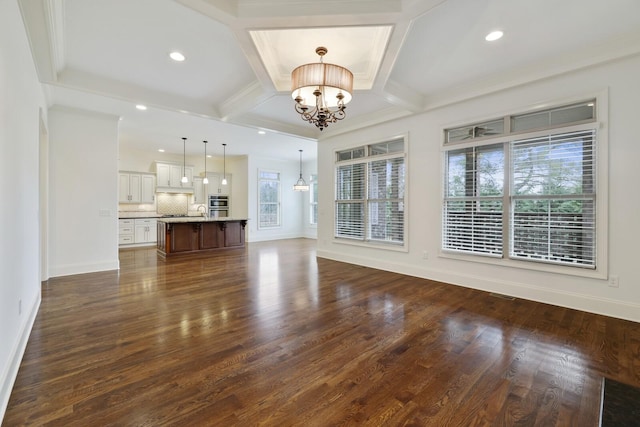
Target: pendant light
<point>205,180</point>
<point>301,185</point>
<point>184,161</point>
<point>224,164</point>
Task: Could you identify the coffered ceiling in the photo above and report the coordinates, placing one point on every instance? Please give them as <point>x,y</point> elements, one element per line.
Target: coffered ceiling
<point>407,56</point>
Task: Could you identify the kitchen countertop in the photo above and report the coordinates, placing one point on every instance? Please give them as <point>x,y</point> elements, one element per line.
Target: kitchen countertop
<point>133,215</point>
<point>181,219</point>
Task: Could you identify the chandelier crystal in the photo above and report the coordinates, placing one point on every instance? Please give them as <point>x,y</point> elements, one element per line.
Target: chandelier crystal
<point>321,91</point>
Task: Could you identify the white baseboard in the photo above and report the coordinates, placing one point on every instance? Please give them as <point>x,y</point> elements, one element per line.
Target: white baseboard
<point>11,373</point>
<point>266,238</point>
<point>69,269</point>
<point>604,306</point>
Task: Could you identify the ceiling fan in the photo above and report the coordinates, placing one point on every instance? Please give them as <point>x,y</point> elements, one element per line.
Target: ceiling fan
<point>479,132</point>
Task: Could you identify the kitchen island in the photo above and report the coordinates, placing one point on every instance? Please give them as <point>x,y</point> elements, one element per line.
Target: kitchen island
<point>184,235</point>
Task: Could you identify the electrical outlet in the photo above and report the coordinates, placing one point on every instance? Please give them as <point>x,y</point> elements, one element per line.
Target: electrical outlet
<point>19,307</point>
<point>614,281</point>
<point>425,255</point>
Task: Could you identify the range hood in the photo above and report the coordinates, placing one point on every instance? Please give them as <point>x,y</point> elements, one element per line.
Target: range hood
<point>174,190</point>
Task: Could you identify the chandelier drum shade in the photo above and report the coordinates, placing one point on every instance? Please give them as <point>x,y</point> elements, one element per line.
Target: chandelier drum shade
<point>321,91</point>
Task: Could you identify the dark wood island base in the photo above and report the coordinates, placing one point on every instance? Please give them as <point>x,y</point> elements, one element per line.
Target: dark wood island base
<point>186,235</point>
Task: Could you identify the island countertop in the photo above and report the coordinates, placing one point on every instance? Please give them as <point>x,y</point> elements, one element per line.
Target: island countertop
<point>191,234</point>
<point>181,219</point>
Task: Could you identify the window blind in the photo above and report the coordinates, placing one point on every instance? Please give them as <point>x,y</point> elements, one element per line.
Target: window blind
<point>386,200</point>
<point>473,202</point>
<point>530,197</point>
<point>269,199</point>
<point>553,198</point>
<point>370,193</point>
<point>350,201</point>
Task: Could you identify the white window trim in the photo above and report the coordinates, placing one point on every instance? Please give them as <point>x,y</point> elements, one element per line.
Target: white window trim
<point>404,247</point>
<point>312,182</point>
<point>270,227</point>
<point>602,194</point>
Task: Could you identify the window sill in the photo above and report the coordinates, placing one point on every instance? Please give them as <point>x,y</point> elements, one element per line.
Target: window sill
<point>527,265</point>
<point>372,244</point>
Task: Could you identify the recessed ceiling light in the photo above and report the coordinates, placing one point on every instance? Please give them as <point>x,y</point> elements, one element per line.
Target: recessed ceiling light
<point>177,56</point>
<point>161,150</point>
<point>494,35</point>
<point>261,132</point>
<point>141,107</point>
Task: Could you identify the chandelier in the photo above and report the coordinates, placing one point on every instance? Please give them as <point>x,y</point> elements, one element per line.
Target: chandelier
<point>301,184</point>
<point>321,91</point>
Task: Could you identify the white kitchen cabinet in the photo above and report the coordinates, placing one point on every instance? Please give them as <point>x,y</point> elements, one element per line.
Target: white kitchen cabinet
<point>169,177</point>
<point>215,187</point>
<point>136,187</point>
<point>145,230</point>
<point>128,187</point>
<point>199,195</point>
<point>147,188</point>
<point>125,231</point>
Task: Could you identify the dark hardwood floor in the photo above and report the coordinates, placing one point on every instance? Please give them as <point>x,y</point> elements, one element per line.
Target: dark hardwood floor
<point>269,335</point>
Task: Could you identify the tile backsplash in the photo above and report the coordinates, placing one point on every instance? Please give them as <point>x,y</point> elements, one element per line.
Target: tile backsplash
<point>173,204</point>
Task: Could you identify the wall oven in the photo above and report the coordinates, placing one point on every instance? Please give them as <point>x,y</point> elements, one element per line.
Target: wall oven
<point>218,206</point>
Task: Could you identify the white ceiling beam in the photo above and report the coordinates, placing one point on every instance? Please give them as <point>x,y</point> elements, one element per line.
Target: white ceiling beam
<point>134,94</point>
<point>243,101</point>
<point>55,10</point>
<point>403,97</point>
<point>35,15</point>
<point>223,11</point>
<point>289,8</point>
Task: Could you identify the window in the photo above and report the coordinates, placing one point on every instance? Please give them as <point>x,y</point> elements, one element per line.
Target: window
<point>530,196</point>
<point>553,198</point>
<point>313,200</point>
<point>370,182</point>
<point>473,201</point>
<point>269,199</point>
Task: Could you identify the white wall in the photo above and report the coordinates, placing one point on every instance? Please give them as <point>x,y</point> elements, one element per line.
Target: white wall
<point>620,78</point>
<point>83,190</point>
<point>130,159</point>
<point>290,208</point>
<point>21,100</point>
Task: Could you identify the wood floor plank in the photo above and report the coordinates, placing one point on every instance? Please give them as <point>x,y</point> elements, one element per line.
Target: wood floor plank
<point>269,335</point>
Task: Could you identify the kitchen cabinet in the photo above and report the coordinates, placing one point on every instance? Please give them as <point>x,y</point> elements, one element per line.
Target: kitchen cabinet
<point>233,234</point>
<point>211,236</point>
<point>184,235</point>
<point>136,187</point>
<point>125,231</point>
<point>128,187</point>
<point>145,230</point>
<point>199,195</point>
<point>215,187</point>
<point>169,177</point>
<point>137,230</point>
<point>147,188</point>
